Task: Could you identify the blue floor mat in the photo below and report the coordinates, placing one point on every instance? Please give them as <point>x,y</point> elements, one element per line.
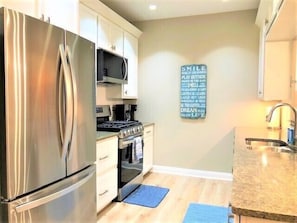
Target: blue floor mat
<point>202,213</point>
<point>147,196</point>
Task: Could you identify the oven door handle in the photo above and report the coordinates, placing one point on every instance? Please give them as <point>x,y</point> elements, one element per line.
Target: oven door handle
<point>129,140</point>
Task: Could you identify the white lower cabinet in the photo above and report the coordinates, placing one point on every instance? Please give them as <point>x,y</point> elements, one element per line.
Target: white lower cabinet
<point>107,173</point>
<point>148,138</point>
<point>106,188</point>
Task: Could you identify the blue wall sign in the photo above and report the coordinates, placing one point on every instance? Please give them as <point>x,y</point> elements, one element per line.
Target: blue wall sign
<point>193,91</point>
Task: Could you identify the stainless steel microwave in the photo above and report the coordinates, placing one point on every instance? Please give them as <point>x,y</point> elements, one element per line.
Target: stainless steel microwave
<point>111,68</point>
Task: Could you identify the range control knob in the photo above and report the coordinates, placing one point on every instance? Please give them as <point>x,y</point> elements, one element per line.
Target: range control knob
<point>124,133</point>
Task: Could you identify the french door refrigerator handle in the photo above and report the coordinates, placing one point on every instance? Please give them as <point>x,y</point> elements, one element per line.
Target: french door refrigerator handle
<point>67,131</point>
<point>52,196</point>
<point>74,96</point>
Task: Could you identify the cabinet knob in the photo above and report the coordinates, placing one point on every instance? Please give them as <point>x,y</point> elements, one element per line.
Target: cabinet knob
<point>103,158</point>
<point>104,192</point>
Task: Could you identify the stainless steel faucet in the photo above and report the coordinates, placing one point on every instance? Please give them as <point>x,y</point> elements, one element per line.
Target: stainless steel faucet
<point>269,116</point>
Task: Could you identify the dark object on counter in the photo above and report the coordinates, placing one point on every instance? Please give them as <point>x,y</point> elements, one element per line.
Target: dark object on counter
<point>124,112</point>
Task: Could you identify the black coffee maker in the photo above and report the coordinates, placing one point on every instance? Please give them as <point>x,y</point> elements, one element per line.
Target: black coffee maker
<point>124,112</point>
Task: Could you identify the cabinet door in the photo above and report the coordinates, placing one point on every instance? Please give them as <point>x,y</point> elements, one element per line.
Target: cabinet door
<point>148,139</point>
<point>60,13</point>
<point>106,154</point>
<point>116,39</point>
<point>110,36</point>
<point>277,69</point>
<point>261,61</point>
<point>107,186</point>
<point>87,23</point>
<point>107,172</point>
<point>130,90</point>
<point>28,7</point>
<point>102,33</point>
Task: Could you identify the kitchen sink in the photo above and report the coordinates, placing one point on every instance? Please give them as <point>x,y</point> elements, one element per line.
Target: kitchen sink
<point>274,145</point>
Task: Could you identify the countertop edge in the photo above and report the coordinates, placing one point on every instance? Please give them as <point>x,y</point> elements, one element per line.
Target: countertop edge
<point>263,215</point>
<point>146,124</point>
<point>100,135</point>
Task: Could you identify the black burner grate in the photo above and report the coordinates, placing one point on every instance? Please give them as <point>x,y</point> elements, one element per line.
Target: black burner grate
<point>115,126</point>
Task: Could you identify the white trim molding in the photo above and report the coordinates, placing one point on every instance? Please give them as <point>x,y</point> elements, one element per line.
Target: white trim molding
<point>193,173</point>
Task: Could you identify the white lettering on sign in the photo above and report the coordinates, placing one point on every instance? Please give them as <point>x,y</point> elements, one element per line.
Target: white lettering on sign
<point>193,91</point>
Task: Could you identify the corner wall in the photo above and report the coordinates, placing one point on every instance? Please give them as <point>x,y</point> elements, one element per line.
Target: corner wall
<point>228,44</point>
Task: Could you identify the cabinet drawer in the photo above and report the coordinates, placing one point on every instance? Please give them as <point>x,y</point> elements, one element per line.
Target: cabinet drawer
<point>148,131</point>
<point>107,184</point>
<point>107,154</point>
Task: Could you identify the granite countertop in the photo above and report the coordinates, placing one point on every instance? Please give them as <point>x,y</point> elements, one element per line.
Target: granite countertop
<point>264,182</point>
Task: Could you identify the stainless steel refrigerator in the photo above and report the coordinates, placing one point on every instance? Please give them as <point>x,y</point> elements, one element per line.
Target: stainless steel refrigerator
<point>47,123</point>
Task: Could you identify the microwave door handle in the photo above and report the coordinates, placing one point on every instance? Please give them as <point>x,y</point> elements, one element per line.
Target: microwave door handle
<point>126,69</point>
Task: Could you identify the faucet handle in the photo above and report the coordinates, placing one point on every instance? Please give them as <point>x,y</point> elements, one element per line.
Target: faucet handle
<point>292,123</point>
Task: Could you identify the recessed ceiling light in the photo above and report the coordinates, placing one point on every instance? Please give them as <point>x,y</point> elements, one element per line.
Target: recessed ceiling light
<point>152,7</point>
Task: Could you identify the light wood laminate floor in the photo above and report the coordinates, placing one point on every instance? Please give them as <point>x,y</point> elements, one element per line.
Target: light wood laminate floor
<point>182,191</point>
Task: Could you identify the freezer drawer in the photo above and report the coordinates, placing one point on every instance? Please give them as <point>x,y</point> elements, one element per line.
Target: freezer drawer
<point>68,201</point>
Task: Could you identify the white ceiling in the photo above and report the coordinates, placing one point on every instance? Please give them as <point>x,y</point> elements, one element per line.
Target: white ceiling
<point>137,10</point>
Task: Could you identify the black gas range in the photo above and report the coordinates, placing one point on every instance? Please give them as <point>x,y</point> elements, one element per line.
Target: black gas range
<point>130,150</point>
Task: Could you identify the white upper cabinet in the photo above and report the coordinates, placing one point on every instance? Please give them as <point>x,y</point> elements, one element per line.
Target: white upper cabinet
<point>87,23</point>
<point>110,36</point>
<point>267,12</point>
<point>275,49</point>
<point>277,70</point>
<point>130,90</point>
<point>284,26</point>
<point>60,13</point>
<point>28,7</point>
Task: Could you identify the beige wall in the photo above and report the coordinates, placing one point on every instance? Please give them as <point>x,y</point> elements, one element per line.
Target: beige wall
<point>103,97</point>
<point>228,44</point>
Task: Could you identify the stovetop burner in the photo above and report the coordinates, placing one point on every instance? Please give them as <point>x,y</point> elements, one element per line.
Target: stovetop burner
<point>115,126</point>
<point>125,128</point>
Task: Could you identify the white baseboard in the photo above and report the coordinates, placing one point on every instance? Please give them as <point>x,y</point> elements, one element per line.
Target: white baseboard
<point>193,173</point>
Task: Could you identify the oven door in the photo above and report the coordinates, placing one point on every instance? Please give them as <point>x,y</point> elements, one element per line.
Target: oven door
<point>130,159</point>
